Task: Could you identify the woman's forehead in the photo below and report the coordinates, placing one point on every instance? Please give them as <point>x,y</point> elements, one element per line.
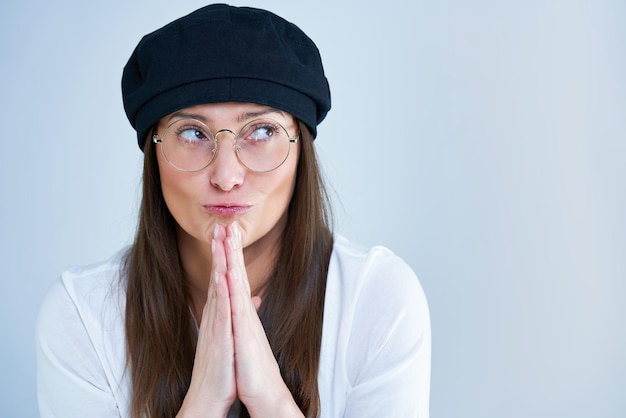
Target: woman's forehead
<point>229,113</point>
<point>229,110</point>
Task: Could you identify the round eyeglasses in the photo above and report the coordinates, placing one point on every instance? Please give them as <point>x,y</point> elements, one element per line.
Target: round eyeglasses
<point>188,145</point>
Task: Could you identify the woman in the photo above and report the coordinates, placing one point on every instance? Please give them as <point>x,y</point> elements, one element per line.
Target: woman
<point>235,298</point>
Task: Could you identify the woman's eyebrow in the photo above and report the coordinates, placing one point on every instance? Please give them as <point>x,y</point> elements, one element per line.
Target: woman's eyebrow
<point>251,115</point>
<point>186,115</point>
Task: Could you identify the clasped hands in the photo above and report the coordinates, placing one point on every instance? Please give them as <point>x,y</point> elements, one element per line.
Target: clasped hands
<point>233,356</point>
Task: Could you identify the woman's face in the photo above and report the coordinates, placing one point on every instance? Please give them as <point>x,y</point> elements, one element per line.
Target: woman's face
<point>226,190</point>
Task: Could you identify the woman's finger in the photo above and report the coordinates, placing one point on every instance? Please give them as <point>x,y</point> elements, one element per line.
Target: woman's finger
<point>213,385</point>
<point>234,255</point>
<point>239,286</point>
<point>257,372</point>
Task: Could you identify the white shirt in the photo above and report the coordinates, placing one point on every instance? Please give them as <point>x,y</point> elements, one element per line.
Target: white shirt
<point>374,359</point>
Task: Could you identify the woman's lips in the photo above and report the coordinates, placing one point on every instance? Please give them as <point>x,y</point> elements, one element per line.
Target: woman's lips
<point>227,209</point>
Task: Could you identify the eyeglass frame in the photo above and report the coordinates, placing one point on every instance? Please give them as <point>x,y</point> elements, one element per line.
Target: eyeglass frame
<point>159,140</point>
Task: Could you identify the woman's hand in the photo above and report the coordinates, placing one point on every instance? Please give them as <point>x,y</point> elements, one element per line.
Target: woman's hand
<point>213,390</point>
<point>233,356</point>
<point>258,380</point>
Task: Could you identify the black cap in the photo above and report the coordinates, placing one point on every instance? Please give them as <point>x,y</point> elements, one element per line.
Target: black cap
<point>221,53</point>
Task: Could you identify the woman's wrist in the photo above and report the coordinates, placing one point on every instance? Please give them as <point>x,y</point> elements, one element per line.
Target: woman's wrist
<point>195,409</point>
<point>281,405</point>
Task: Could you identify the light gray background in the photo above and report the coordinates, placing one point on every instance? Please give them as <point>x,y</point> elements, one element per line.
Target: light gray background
<point>482,141</point>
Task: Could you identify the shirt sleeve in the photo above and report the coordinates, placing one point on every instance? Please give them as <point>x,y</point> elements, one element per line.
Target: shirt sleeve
<point>71,382</point>
<point>389,350</point>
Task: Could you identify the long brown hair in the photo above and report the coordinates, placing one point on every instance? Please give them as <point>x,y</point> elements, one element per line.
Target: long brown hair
<point>160,332</point>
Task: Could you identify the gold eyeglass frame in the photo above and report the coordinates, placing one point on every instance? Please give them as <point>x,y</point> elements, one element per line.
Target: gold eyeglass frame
<point>159,140</point>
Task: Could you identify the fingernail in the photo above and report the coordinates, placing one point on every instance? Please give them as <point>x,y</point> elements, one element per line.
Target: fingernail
<point>213,246</point>
<point>216,277</point>
<point>215,231</point>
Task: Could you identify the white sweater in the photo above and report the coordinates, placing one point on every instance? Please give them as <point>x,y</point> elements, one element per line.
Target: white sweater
<point>374,360</point>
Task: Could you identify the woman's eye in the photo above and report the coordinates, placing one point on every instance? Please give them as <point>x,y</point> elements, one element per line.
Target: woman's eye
<point>262,133</point>
<point>192,134</point>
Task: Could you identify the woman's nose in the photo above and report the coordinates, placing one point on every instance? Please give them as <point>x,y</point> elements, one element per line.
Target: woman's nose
<point>226,170</point>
